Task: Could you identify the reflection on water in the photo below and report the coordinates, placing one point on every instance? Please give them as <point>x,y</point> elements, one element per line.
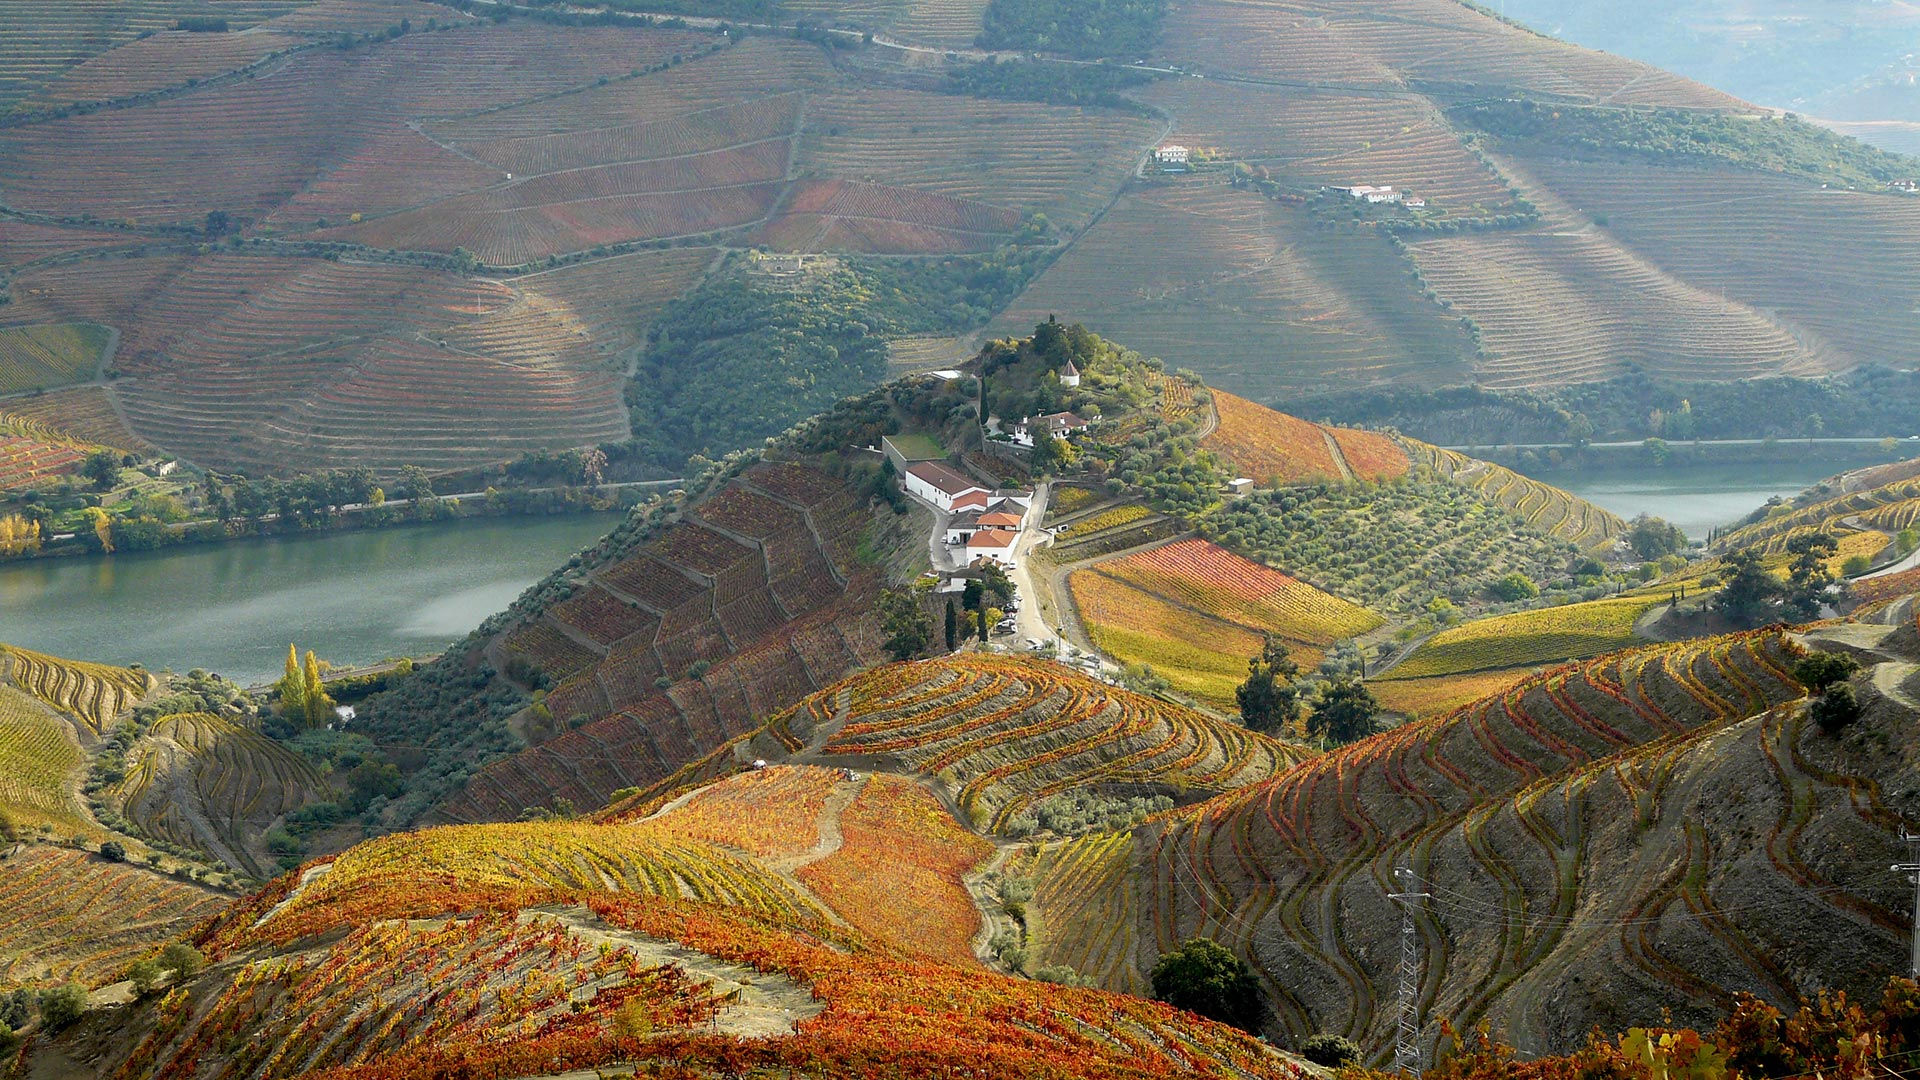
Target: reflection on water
<point>351,597</point>
<point>1695,497</point>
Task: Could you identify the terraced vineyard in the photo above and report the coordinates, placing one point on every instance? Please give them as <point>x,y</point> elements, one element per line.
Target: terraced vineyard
<point>92,694</point>
<point>378,365</point>
<point>1809,274</point>
<point>1004,733</point>
<point>1263,300</point>
<point>1546,508</point>
<point>1196,612</point>
<point>491,978</point>
<point>573,985</point>
<point>40,767</point>
<point>1575,306</point>
<point>760,582</point>
<point>898,874</point>
<point>1599,788</point>
<point>1403,42</point>
<point>1526,638</point>
<point>43,357</point>
<point>83,414</point>
<point>1272,447</point>
<point>46,38</point>
<point>205,783</point>
<point>65,914</point>
<point>524,863</point>
<point>166,59</point>
<point>1888,507</point>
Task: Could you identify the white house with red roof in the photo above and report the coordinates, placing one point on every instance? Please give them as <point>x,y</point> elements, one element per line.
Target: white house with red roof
<point>994,544</point>
<point>942,486</point>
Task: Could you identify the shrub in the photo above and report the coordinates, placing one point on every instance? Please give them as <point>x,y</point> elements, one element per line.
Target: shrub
<point>113,851</point>
<point>146,977</point>
<point>1203,977</point>
<point>182,959</point>
<point>1856,565</point>
<point>1514,586</point>
<point>1836,708</point>
<point>1818,671</point>
<point>62,1005</point>
<point>1332,1051</point>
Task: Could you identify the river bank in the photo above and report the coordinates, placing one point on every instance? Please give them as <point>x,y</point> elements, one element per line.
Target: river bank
<point>353,597</point>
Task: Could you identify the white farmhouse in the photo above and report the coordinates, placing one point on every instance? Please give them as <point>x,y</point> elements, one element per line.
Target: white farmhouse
<point>1172,158</point>
<point>1069,375</point>
<point>939,485</point>
<point>993,544</point>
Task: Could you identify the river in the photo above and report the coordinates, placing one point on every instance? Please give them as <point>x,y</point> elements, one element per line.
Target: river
<point>351,597</point>
<point>1694,497</point>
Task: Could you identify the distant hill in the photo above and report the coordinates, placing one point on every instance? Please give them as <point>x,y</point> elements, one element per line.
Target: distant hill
<point>469,238</point>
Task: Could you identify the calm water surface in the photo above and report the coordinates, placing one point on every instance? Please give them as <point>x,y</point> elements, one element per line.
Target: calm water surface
<point>1694,497</point>
<point>351,597</point>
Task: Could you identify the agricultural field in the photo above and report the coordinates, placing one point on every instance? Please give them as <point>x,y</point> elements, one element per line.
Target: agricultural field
<point>1542,506</point>
<point>1395,547</point>
<point>1273,448</point>
<point>1597,788</point>
<point>66,914</point>
<point>92,694</point>
<point>1889,507</point>
<point>83,413</point>
<point>1115,518</point>
<point>45,357</point>
<point>1003,734</point>
<point>1528,638</point>
<point>772,812</point>
<point>40,769</point>
<point>167,59</point>
<point>1389,46</point>
<point>898,875</point>
<point>1556,306</point>
<point>1264,301</point>
<point>1808,275</point>
<point>1307,138</point>
<point>44,39</point>
<point>1438,694</point>
<point>203,782</point>
<point>27,457</point>
<point>23,242</point>
<point>691,639</point>
<point>377,365</point>
<point>1196,612</point>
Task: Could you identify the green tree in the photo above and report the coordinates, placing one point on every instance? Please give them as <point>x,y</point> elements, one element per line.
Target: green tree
<point>103,468</point>
<point>1050,454</point>
<point>1817,671</point>
<point>953,626</point>
<point>1651,537</point>
<point>146,976</point>
<point>1344,712</point>
<point>62,1005</point>
<point>1808,576</point>
<point>1269,696</point>
<point>905,622</point>
<point>1331,1051</point>
<point>182,959</point>
<point>292,687</point>
<point>1203,977</point>
<point>313,694</point>
<point>1514,586</point>
<point>1748,596</point>
<point>1836,708</point>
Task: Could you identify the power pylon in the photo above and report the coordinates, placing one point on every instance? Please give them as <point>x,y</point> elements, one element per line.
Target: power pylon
<point>1406,1048</point>
<point>1913,961</point>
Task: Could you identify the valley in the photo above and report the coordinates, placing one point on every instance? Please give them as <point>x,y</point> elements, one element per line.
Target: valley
<point>787,539</point>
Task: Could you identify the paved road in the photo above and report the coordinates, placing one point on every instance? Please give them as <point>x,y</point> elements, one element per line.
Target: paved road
<point>1028,622</point>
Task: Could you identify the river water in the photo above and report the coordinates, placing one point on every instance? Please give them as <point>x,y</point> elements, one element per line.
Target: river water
<point>1694,497</point>
<point>352,597</point>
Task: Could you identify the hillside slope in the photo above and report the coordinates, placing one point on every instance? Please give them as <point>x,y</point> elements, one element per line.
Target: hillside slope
<point>1656,829</point>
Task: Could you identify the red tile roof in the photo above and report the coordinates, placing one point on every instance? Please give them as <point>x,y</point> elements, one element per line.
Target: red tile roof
<point>942,478</point>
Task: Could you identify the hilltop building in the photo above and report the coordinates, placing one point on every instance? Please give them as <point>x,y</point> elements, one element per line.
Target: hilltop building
<point>1060,425</point>
<point>940,485</point>
<point>1172,158</point>
<point>1069,375</point>
<point>1369,193</point>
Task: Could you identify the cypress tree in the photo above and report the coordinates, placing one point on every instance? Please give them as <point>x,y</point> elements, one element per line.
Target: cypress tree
<point>953,625</point>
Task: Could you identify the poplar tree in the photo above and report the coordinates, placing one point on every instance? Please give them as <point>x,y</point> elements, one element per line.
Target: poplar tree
<point>292,687</point>
<point>319,705</point>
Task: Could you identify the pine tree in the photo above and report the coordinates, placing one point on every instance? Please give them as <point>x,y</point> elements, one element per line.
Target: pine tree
<point>292,688</point>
